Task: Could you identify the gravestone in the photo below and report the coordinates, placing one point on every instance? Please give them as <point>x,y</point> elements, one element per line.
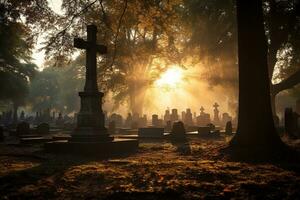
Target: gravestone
<point>23,128</point>
<point>228,128</point>
<point>226,118</point>
<point>43,129</point>
<point>155,121</point>
<point>291,123</point>
<point>90,137</point>
<point>178,130</point>
<point>216,114</point>
<point>203,118</point>
<point>188,117</point>
<point>60,121</point>
<point>167,116</point>
<point>22,115</point>
<point>174,115</point>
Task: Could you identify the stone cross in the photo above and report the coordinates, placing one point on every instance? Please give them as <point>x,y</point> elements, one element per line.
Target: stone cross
<point>202,110</point>
<point>216,106</point>
<point>92,48</point>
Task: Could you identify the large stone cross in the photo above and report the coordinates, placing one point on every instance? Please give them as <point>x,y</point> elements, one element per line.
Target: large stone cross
<point>92,48</point>
<point>90,119</point>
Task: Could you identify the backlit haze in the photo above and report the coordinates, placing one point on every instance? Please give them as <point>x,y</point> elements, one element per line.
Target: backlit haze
<point>175,88</point>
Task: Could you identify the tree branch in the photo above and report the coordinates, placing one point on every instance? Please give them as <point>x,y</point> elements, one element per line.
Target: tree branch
<point>287,83</point>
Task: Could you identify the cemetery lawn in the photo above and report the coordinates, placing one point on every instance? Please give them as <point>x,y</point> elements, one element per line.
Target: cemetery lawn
<point>157,171</point>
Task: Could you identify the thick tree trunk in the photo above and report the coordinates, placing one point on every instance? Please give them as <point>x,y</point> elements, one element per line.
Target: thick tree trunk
<point>255,120</point>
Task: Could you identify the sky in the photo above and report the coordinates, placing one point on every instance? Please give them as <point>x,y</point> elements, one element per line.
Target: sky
<point>38,56</point>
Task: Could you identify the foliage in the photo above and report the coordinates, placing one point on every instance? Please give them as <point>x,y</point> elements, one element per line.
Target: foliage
<point>57,88</point>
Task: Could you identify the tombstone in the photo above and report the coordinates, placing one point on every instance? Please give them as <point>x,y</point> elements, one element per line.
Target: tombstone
<point>203,118</point>
<point>23,128</point>
<point>167,116</point>
<point>43,129</point>
<point>155,121</point>
<point>178,130</point>
<point>60,121</point>
<point>226,118</point>
<point>112,127</point>
<point>291,123</point>
<point>151,132</point>
<point>90,137</point>
<point>188,118</point>
<point>216,114</point>
<point>118,119</point>
<point>22,115</point>
<point>174,115</point>
<point>1,134</point>
<point>228,128</point>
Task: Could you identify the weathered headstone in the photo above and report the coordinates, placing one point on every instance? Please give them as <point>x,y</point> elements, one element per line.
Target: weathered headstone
<point>188,117</point>
<point>22,115</point>
<point>228,128</point>
<point>60,121</point>
<point>155,122</point>
<point>174,115</point>
<point>216,114</point>
<point>291,123</point>
<point>167,116</point>
<point>178,130</point>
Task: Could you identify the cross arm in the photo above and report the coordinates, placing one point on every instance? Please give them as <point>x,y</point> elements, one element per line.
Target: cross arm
<point>80,43</point>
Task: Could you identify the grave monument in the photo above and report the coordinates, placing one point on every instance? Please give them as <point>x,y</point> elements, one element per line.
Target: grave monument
<point>90,136</point>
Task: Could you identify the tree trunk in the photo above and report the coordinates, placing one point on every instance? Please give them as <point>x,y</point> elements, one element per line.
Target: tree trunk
<point>255,120</point>
<point>137,96</point>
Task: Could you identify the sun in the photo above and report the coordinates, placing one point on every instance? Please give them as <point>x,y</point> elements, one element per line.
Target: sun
<point>170,79</point>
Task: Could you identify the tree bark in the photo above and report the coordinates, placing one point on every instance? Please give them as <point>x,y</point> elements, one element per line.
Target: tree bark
<point>255,120</point>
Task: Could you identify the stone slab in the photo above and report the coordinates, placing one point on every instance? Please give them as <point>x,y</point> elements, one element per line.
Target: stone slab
<point>34,140</point>
<point>117,147</point>
<point>151,132</point>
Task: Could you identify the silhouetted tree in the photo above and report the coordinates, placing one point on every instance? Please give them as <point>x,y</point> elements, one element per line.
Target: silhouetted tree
<point>255,121</point>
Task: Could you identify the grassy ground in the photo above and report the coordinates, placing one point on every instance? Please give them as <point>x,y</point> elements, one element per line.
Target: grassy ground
<point>157,171</point>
